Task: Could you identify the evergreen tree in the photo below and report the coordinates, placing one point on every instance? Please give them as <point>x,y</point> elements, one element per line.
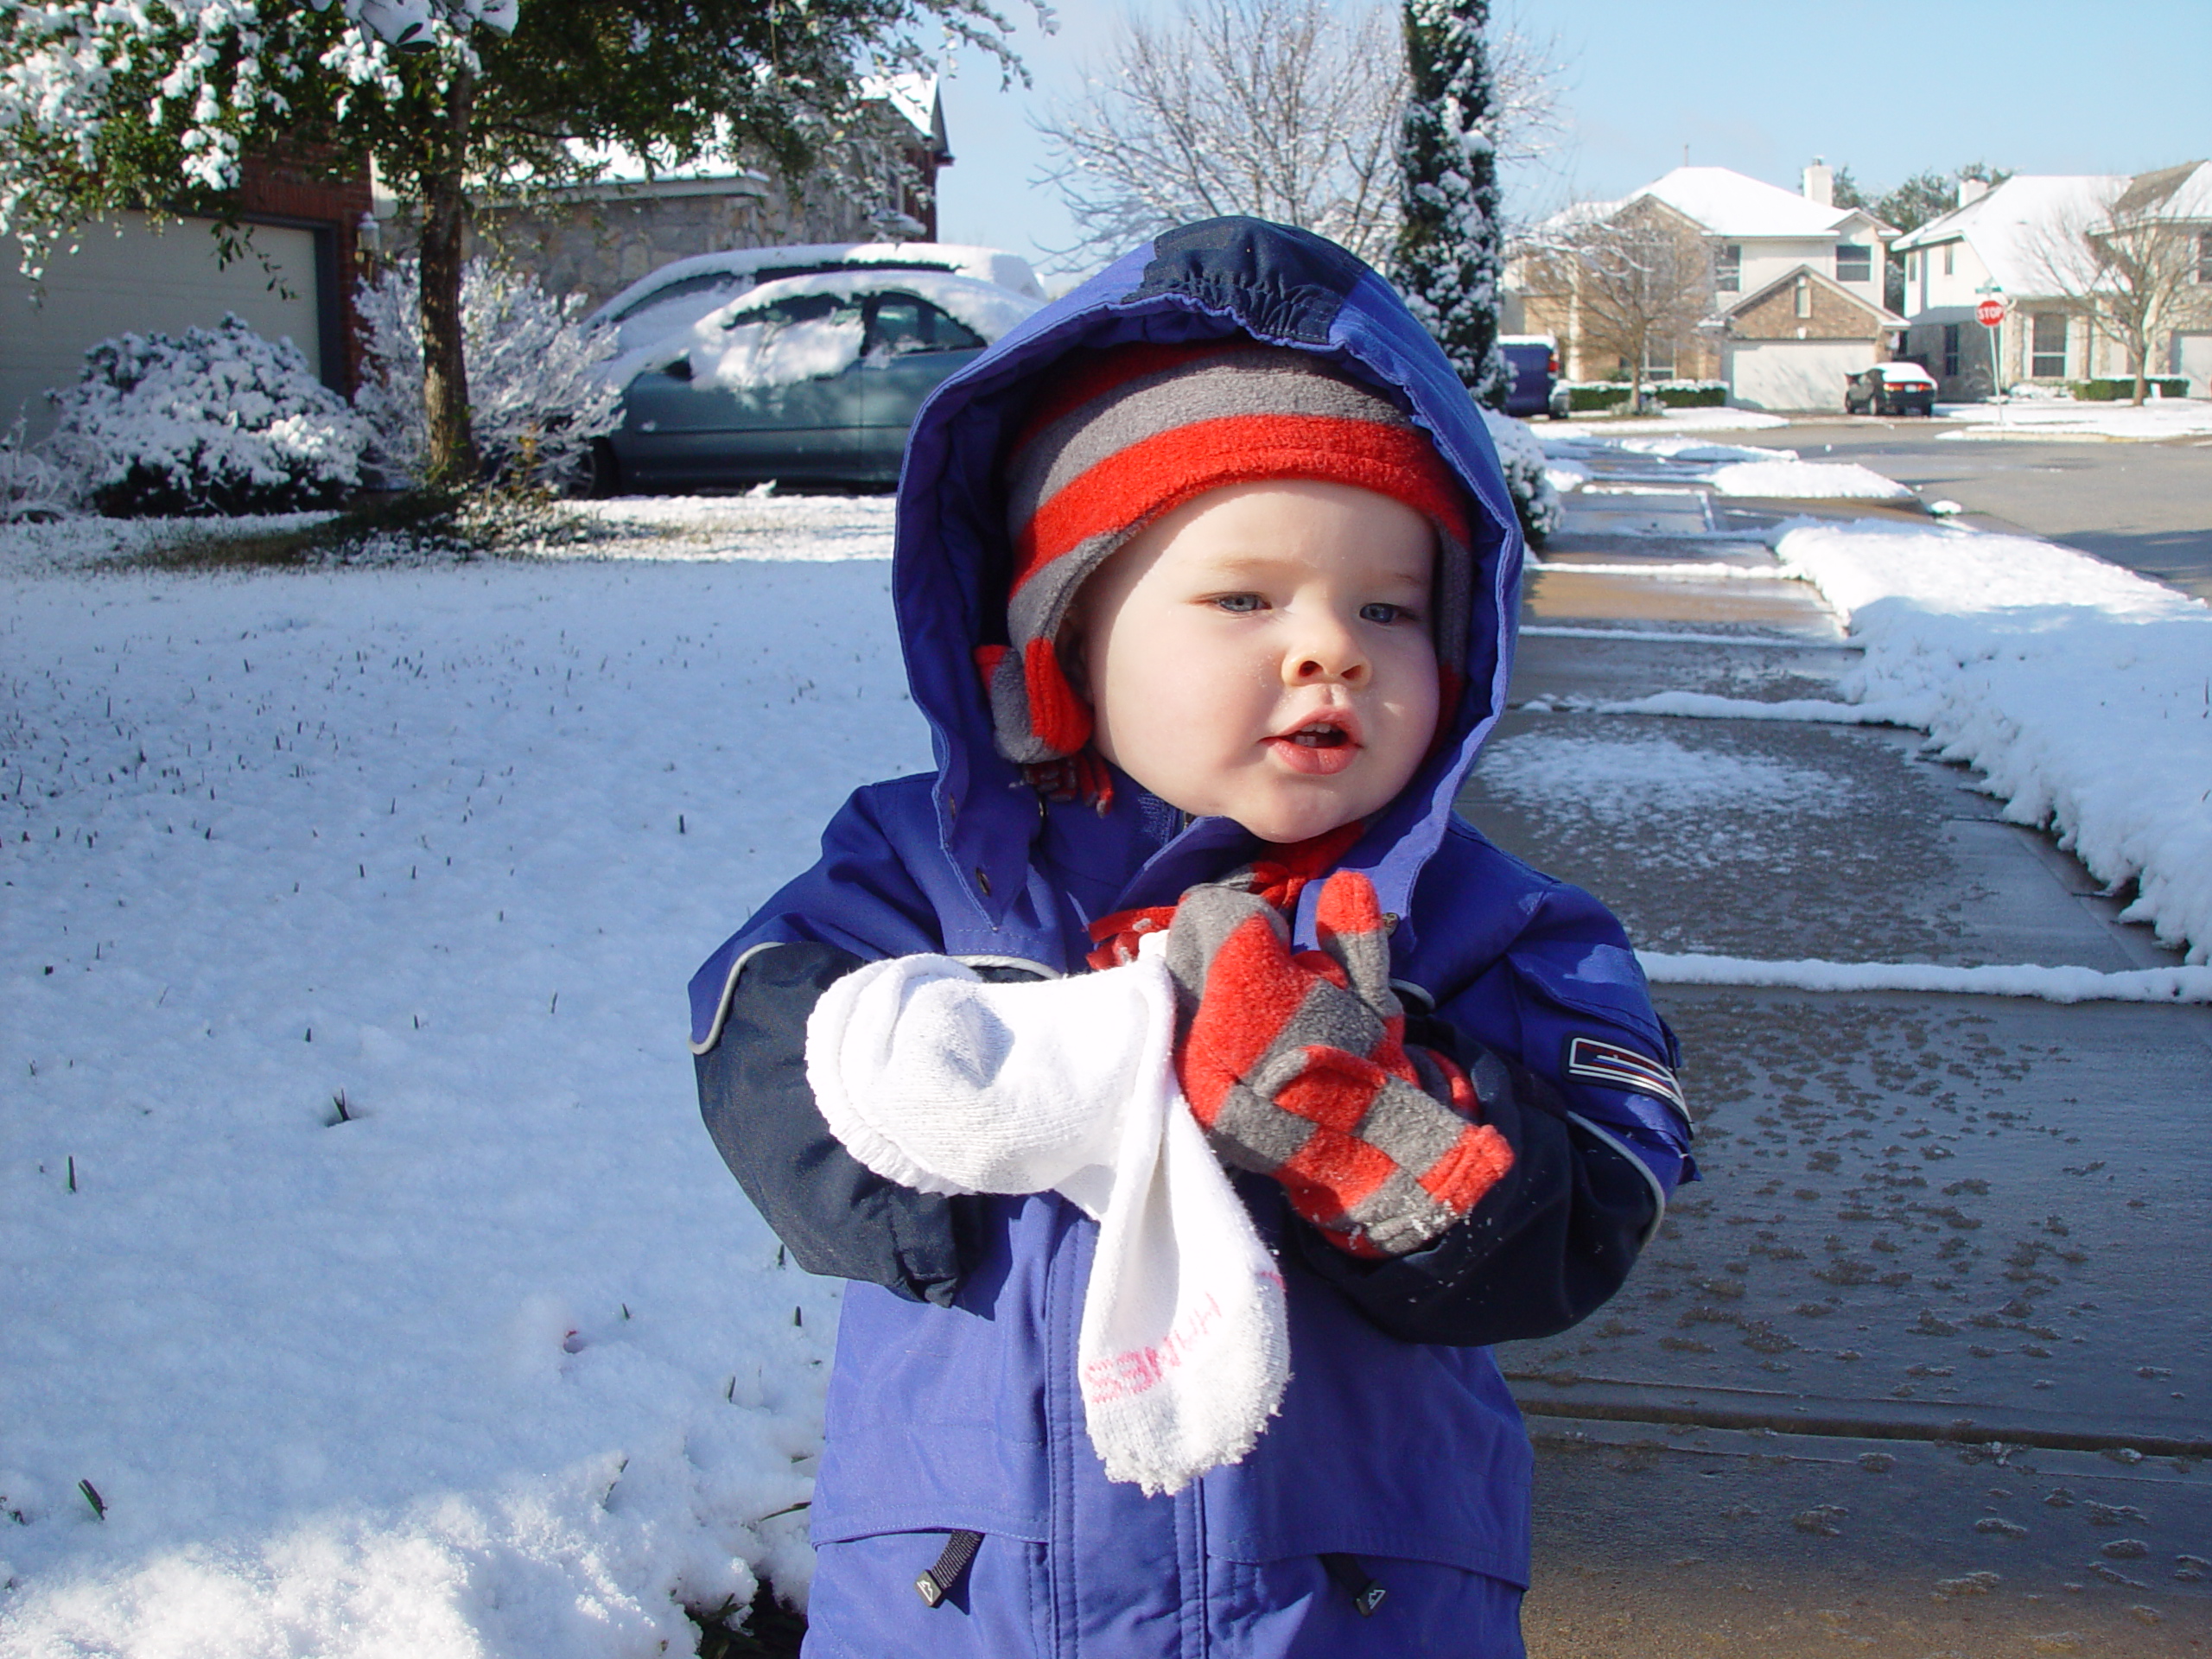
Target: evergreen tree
<point>1450,253</point>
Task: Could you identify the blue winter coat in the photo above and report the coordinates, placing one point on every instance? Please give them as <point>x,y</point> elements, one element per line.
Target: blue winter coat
<point>1398,1461</point>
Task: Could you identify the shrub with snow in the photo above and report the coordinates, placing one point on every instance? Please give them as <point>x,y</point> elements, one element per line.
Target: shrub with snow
<point>32,489</point>
<point>536,396</point>
<point>1522,457</point>
<point>212,421</point>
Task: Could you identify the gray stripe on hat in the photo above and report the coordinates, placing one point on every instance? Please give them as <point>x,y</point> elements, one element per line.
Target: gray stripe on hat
<point>1213,390</point>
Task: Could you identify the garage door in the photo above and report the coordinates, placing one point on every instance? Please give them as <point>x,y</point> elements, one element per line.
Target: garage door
<point>1793,374</point>
<point>149,282</point>
<point>2193,357</point>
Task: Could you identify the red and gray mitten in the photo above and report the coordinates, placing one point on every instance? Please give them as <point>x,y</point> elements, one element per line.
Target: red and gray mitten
<point>1295,1064</point>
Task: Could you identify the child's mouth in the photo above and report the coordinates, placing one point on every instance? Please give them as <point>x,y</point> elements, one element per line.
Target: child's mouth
<point>1320,747</point>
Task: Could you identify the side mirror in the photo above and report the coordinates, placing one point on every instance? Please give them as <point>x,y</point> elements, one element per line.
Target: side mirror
<point>680,369</point>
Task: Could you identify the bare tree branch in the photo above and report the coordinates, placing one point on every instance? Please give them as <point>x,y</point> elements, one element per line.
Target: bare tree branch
<point>2135,275</point>
<point>1641,276</point>
<point>1284,109</point>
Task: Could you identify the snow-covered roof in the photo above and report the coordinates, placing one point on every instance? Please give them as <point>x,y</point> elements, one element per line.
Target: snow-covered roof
<point>913,95</point>
<point>1729,203</point>
<point>2004,226</point>
<point>2182,192</point>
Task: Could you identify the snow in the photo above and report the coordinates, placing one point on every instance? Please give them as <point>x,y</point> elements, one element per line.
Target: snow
<point>1807,480</point>
<point>1680,637</point>
<point>733,347</point>
<point>2007,226</point>
<point>1905,374</point>
<point>643,323</point>
<point>1625,781</point>
<point>1704,705</point>
<point>1528,475</point>
<point>2082,691</point>
<point>446,842</point>
<point>1564,476</point>
<point>1705,418</point>
<point>1733,204</point>
<point>2041,419</point>
<point>1669,570</point>
<point>1697,449</point>
<point>2027,979</point>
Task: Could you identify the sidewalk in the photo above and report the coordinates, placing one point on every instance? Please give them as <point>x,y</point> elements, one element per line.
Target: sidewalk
<point>1915,1368</point>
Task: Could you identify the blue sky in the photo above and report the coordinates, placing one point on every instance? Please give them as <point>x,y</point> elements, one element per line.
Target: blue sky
<point>1883,87</point>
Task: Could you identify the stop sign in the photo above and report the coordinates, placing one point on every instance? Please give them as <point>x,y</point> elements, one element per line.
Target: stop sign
<point>1989,313</point>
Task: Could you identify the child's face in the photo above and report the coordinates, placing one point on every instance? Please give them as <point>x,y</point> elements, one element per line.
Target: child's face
<point>1263,654</point>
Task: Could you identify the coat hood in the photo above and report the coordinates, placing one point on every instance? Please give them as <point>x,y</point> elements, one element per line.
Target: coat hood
<point>1218,278</point>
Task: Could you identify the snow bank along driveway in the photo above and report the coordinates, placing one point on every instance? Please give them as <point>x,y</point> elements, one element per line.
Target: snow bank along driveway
<point>505,1364</point>
<point>2083,691</point>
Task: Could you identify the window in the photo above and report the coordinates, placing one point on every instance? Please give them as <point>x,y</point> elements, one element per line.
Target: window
<point>1659,359</point>
<point>2049,361</point>
<point>1950,258</point>
<point>1950,351</point>
<point>1854,263</point>
<point>1728,268</point>
<point>1911,266</point>
<point>2204,256</point>
<point>1804,298</point>
<point>902,324</point>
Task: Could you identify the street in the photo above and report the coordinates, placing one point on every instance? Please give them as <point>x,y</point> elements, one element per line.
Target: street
<point>1913,1369</point>
<point>2145,506</point>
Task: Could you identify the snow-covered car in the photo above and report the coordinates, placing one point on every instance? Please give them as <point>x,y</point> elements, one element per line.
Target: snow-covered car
<point>1532,384</point>
<point>1890,389</point>
<point>810,380</point>
<point>680,293</point>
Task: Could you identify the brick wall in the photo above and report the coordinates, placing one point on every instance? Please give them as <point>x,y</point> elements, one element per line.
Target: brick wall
<point>1834,317</point>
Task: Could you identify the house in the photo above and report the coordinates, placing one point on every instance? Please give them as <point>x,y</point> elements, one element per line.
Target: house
<point>2002,242</point>
<point>137,272</point>
<point>1793,287</point>
<point>597,238</point>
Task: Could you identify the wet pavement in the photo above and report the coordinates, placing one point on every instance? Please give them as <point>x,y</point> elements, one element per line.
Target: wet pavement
<point>1924,1364</point>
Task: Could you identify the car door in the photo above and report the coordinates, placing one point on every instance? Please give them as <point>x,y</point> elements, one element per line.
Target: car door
<point>772,393</point>
<point>911,346</point>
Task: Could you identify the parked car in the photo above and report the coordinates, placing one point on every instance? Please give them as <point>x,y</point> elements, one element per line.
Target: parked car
<point>808,379</point>
<point>1533,386</point>
<point>1890,389</point>
<point>683,291</point>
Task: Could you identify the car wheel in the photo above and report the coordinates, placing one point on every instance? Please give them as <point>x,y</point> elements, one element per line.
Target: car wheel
<point>603,471</point>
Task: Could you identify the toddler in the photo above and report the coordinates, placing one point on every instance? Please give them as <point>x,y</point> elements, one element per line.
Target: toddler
<point>1189,1096</point>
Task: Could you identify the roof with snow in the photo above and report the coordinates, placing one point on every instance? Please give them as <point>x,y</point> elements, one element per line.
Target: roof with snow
<point>1729,203</point>
<point>2184,192</point>
<point>1726,203</point>
<point>2005,225</point>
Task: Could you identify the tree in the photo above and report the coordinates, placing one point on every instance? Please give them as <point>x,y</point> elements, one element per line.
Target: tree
<point>2136,274</point>
<point>153,105</point>
<point>1449,254</point>
<point>1640,276</point>
<point>1281,109</point>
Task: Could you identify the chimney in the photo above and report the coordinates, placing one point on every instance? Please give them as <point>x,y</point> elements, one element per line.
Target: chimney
<point>1820,183</point>
<point>1972,190</point>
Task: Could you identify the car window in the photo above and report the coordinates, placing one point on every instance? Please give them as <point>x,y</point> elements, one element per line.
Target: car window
<point>901,325</point>
<point>715,281</point>
<point>800,307</point>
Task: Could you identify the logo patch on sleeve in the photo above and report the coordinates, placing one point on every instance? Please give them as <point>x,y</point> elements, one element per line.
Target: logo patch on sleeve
<point>1611,1066</point>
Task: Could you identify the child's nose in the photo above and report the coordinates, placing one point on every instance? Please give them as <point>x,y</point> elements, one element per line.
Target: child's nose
<point>1327,652</point>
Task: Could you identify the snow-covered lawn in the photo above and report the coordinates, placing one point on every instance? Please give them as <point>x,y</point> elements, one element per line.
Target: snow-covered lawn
<point>2062,417</point>
<point>2083,690</point>
<point>502,1364</point>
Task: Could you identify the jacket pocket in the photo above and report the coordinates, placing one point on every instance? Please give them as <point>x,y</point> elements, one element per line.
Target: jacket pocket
<point>941,1593</point>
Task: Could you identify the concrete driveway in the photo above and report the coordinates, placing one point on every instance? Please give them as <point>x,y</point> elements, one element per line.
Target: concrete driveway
<point>1924,1364</point>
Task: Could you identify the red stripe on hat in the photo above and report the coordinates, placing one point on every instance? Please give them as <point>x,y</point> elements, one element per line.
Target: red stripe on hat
<point>1157,473</point>
<point>1105,370</point>
<point>1056,715</point>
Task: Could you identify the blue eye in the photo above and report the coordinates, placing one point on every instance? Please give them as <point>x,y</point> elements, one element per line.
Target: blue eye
<point>1383,613</point>
<point>1241,604</point>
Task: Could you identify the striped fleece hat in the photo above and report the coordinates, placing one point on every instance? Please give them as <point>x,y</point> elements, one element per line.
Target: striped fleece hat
<point>1129,433</point>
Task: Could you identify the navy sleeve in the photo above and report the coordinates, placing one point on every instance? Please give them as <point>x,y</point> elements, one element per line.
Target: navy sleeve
<point>1536,979</point>
<point>836,1216</point>
<point>1543,1249</point>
